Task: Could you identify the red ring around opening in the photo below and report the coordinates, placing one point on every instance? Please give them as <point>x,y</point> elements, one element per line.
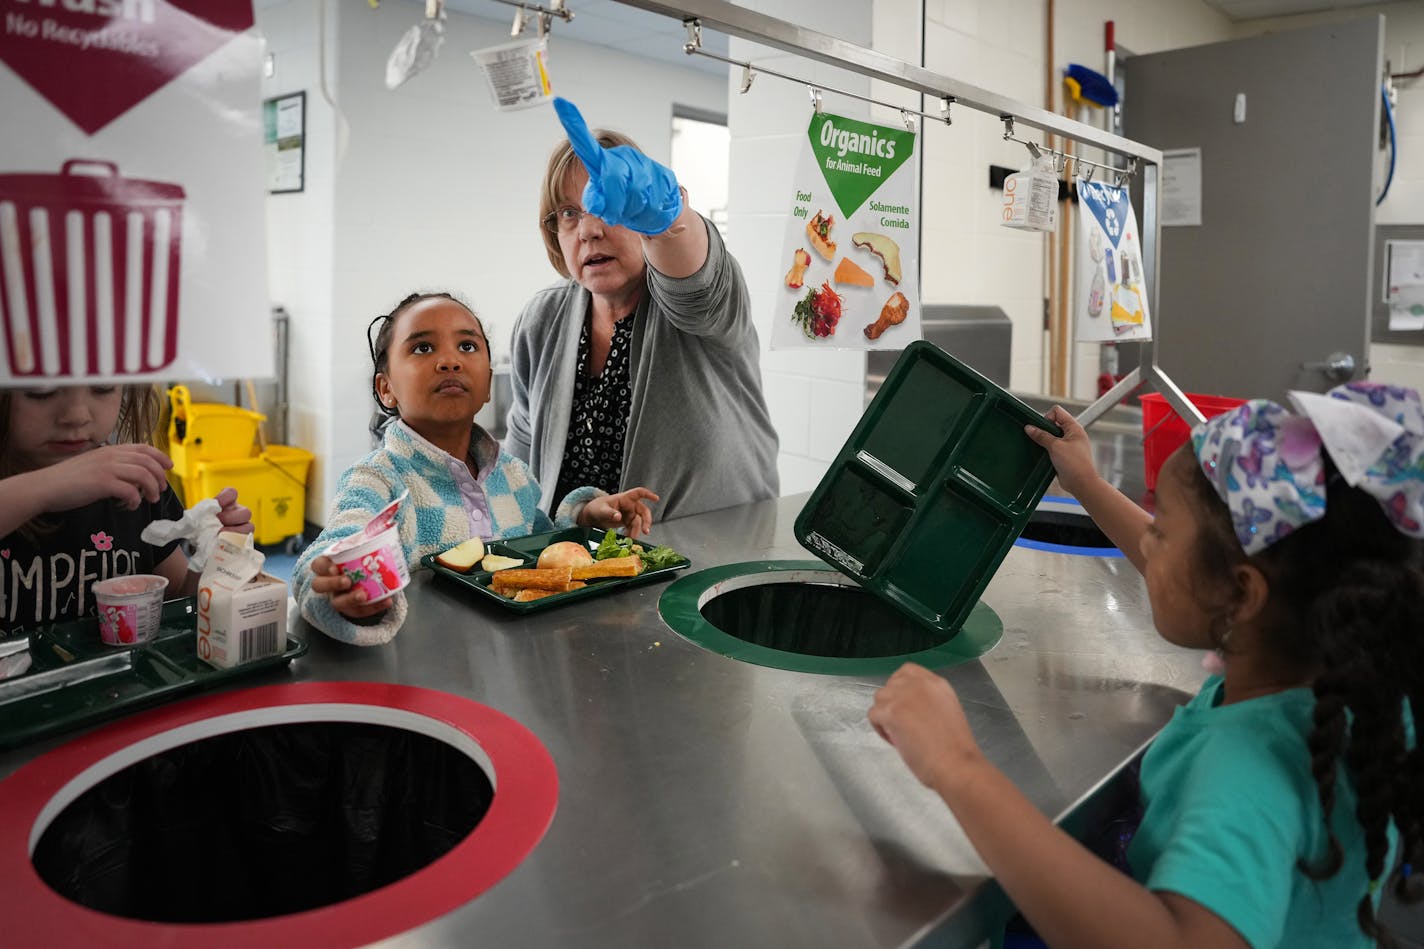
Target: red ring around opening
<point>525,798</point>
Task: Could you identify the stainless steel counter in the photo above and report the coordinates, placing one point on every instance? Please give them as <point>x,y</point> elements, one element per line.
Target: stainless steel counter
<point>705,801</point>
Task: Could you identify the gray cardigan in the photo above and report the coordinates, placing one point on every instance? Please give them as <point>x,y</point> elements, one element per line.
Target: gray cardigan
<point>699,434</point>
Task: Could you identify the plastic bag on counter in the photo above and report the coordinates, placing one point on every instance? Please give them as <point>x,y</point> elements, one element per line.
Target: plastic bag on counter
<point>263,822</point>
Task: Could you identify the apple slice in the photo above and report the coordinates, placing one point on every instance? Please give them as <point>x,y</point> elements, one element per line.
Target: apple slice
<point>493,562</point>
<point>462,557</point>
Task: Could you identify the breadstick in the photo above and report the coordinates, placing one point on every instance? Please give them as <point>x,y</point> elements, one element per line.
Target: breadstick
<point>530,578</point>
<point>629,566</point>
<point>524,596</point>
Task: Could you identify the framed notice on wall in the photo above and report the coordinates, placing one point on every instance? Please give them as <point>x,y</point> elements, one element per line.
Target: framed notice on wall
<point>284,139</point>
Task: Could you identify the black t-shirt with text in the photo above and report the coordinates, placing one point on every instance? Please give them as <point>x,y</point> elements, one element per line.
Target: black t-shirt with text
<point>46,577</point>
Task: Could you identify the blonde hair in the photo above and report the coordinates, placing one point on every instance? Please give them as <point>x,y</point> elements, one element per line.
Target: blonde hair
<point>561,162</point>
<point>139,412</point>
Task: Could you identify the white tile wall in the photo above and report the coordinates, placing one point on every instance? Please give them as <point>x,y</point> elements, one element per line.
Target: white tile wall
<point>300,240</point>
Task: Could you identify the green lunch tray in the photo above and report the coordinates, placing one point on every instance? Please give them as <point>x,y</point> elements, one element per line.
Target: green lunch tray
<point>74,679</point>
<point>931,490</point>
<point>527,549</point>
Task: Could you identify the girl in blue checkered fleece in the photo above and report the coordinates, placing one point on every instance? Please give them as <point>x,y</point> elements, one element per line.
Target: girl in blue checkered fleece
<point>1281,798</point>
<point>432,374</point>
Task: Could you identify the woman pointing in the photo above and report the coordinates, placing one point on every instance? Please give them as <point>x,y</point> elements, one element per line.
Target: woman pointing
<point>641,367</point>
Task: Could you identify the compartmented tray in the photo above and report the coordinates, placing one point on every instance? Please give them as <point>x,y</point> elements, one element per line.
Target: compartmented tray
<point>527,549</point>
<point>74,679</point>
<point>931,489</point>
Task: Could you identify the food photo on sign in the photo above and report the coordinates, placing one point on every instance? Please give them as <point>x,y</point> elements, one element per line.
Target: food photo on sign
<point>851,246</point>
<point>132,222</point>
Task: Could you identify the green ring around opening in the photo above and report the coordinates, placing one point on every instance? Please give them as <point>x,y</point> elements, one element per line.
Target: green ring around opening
<point>680,609</point>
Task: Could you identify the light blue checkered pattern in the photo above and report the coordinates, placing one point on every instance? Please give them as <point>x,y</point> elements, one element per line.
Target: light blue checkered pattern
<point>432,519</point>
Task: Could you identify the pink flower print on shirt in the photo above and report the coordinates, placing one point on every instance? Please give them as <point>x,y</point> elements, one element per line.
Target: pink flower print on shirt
<point>102,541</point>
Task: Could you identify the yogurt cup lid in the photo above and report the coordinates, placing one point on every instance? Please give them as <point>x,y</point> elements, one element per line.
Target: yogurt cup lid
<point>139,584</point>
<point>385,520</point>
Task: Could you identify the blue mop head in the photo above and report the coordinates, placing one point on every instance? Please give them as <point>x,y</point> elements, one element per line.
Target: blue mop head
<point>1092,86</point>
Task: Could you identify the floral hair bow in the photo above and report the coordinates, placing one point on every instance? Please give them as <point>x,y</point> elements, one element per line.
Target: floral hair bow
<point>1266,463</point>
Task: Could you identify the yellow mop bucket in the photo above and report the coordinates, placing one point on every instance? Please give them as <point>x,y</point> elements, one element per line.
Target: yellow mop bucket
<point>272,483</point>
<point>207,431</point>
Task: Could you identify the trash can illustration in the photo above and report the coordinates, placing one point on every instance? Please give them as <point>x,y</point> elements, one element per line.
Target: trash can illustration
<point>89,267</point>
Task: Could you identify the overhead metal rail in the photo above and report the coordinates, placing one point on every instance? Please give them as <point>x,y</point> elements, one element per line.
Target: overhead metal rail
<point>791,38</point>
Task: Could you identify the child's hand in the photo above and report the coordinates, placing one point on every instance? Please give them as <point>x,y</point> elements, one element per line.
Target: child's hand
<point>628,510</point>
<point>1072,453</point>
<point>918,712</point>
<point>131,474</point>
<point>234,516</point>
<point>328,580</point>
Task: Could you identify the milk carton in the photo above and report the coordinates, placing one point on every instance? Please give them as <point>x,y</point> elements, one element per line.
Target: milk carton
<point>242,612</point>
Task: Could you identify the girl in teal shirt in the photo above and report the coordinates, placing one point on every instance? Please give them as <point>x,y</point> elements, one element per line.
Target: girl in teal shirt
<point>1281,799</point>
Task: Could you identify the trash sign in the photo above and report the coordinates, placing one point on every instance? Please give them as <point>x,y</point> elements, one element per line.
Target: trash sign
<point>1112,286</point>
<point>132,213</point>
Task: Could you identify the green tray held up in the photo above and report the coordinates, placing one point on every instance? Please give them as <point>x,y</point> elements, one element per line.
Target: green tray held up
<point>931,490</point>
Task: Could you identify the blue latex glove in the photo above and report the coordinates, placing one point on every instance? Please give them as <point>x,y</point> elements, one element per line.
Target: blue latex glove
<point>625,187</point>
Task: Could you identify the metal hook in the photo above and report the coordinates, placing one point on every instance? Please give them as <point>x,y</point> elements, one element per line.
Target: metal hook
<point>909,121</point>
<point>1060,162</point>
<point>944,105</point>
<point>1008,121</point>
<point>518,26</point>
<point>1032,150</point>
<point>815,98</point>
<point>1088,177</point>
<point>544,21</point>
<point>747,77</point>
<point>694,37</point>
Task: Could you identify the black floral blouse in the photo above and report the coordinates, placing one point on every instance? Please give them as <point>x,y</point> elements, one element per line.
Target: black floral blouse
<point>598,421</point>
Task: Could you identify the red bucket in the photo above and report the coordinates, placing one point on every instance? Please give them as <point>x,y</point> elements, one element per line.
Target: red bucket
<point>1164,431</point>
<point>88,272</point>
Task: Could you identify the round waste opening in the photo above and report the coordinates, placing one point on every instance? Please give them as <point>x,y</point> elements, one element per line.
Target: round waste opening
<point>804,617</point>
<point>315,814</point>
<point>263,822</point>
<point>1061,526</point>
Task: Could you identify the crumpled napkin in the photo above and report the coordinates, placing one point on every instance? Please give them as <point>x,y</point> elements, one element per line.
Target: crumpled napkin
<point>199,525</point>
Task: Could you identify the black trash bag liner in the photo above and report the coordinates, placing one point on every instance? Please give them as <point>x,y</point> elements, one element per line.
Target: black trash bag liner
<point>263,822</point>
<point>819,619</point>
<point>1066,529</point>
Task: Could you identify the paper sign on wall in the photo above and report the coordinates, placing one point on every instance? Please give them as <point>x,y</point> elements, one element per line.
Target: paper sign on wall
<point>1111,284</point>
<point>132,222</point>
<point>851,246</point>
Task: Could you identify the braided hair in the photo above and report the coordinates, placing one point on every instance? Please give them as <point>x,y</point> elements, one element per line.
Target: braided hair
<point>385,327</point>
<point>1347,594</point>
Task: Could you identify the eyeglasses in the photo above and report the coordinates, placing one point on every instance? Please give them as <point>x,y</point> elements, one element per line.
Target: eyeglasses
<point>564,220</point>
